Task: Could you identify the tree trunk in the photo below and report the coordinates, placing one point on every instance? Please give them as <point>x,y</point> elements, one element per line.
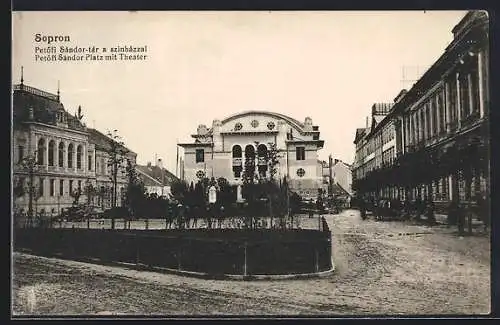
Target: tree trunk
<point>431,218</point>
<point>468,182</point>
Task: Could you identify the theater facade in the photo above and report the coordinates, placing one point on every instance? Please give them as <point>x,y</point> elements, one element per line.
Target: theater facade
<point>240,143</point>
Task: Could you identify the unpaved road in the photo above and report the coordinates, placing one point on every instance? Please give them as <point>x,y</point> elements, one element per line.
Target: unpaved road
<point>383,268</point>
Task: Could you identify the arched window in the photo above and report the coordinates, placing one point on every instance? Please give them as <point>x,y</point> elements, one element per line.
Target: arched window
<point>237,163</point>
<point>79,154</point>
<point>237,151</point>
<point>61,154</point>
<point>262,157</point>
<point>52,145</point>
<point>41,152</point>
<point>249,161</point>
<point>89,162</point>
<point>262,150</point>
<point>71,151</point>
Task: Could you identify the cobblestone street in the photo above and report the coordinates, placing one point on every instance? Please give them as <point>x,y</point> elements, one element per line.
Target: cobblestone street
<point>382,268</point>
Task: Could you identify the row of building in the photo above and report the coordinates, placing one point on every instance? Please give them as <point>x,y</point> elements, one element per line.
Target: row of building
<point>68,156</point>
<point>432,141</point>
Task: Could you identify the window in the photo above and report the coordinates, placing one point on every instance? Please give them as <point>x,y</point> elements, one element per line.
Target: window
<point>237,163</point>
<point>200,155</point>
<point>52,153</point>
<point>79,155</point>
<point>61,154</point>
<point>70,186</point>
<point>70,155</point>
<point>41,152</point>
<point>61,187</point>
<point>435,115</point>
<point>40,189</point>
<point>52,187</point>
<point>80,186</point>
<point>238,126</point>
<point>89,162</point>
<point>475,89</point>
<point>270,125</point>
<point>301,172</point>
<point>20,153</point>
<point>442,112</point>
<point>453,101</point>
<point>464,96</point>
<point>300,153</point>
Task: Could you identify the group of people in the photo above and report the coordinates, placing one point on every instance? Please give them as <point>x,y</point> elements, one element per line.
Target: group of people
<point>457,213</point>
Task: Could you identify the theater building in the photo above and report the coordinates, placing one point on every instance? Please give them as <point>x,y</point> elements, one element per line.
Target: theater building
<point>240,143</point>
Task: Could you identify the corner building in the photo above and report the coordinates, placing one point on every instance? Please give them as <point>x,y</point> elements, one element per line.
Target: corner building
<point>68,154</point>
<point>242,141</point>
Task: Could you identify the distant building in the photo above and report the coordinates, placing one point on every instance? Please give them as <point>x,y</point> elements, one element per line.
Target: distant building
<point>342,175</point>
<point>103,170</point>
<point>156,179</point>
<point>239,144</point>
<point>375,144</point>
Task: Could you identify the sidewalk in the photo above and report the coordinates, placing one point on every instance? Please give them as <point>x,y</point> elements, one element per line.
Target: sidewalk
<point>442,222</point>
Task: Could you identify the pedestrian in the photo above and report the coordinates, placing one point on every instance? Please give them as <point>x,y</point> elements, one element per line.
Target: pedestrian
<point>362,208</point>
<point>221,216</point>
<point>180,216</point>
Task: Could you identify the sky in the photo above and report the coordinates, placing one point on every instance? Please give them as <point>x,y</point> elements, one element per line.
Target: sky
<point>331,66</point>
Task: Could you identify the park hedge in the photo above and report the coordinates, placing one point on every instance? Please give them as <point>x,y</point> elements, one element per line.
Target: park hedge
<point>209,251</point>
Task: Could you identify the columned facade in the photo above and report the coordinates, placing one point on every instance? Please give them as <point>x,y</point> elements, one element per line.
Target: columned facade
<point>444,154</point>
<point>239,146</point>
<point>62,147</point>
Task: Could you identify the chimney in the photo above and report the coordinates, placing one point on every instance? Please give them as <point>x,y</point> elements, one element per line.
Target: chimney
<point>159,163</point>
<point>149,164</point>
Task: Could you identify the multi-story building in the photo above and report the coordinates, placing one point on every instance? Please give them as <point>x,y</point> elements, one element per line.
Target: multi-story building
<point>441,125</point>
<point>342,175</point>
<point>63,148</point>
<point>239,144</point>
<point>104,169</point>
<point>338,174</point>
<point>156,179</point>
<point>375,145</point>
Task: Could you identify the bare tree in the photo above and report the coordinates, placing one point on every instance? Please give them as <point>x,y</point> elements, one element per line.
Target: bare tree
<point>116,158</point>
<point>90,192</point>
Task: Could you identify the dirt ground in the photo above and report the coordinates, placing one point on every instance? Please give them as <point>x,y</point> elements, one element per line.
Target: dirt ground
<point>382,268</point>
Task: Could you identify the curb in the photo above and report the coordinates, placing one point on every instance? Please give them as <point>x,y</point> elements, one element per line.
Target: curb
<point>239,277</point>
<point>200,275</point>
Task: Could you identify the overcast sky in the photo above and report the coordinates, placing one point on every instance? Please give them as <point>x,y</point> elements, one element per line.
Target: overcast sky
<point>331,66</point>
